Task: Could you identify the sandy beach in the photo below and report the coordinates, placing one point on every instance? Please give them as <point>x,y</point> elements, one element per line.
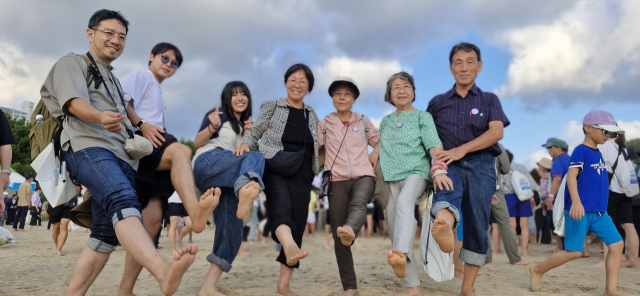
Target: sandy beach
<point>29,267</point>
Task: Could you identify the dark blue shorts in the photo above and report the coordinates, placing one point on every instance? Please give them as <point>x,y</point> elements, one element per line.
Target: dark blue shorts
<point>517,207</point>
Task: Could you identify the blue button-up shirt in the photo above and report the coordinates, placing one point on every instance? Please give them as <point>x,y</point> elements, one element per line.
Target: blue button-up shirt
<point>460,120</point>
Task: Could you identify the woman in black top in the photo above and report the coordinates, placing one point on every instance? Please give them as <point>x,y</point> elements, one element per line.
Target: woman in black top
<point>286,130</point>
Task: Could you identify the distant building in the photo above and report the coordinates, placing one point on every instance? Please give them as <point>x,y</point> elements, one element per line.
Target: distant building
<point>27,110</point>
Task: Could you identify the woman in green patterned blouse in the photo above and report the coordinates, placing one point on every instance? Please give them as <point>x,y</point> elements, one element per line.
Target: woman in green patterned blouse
<point>405,137</point>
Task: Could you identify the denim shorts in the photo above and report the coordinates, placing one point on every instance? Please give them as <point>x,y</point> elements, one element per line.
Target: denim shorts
<point>598,222</point>
<point>111,183</point>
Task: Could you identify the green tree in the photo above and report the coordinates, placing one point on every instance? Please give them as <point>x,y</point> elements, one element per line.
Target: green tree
<point>190,144</point>
<point>21,158</point>
<point>635,143</point>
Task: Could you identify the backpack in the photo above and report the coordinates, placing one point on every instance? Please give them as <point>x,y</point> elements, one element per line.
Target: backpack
<point>624,170</point>
<point>41,135</point>
<point>521,185</point>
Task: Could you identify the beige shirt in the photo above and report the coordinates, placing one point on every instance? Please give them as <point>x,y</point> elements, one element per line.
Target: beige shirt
<point>24,194</point>
<point>67,81</point>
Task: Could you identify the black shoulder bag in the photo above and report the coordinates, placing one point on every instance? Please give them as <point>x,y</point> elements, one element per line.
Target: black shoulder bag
<point>287,163</point>
<point>325,186</point>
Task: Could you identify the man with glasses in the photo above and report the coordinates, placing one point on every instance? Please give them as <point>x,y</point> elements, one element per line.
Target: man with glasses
<point>169,165</point>
<point>470,122</point>
<point>95,129</point>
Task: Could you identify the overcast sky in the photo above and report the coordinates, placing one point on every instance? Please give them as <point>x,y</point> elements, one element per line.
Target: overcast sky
<point>550,62</point>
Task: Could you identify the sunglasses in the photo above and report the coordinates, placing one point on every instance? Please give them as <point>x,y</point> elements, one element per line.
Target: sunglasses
<point>607,133</point>
<point>165,59</point>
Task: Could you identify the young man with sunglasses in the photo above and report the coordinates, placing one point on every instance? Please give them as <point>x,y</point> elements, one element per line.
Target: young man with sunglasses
<point>169,165</point>
<point>93,138</point>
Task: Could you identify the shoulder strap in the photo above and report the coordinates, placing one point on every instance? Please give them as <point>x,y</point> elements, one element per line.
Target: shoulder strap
<point>90,72</point>
<point>615,164</point>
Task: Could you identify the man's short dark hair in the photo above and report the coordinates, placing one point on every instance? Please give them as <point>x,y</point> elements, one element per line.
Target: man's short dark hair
<point>510,155</point>
<point>163,47</point>
<point>565,150</point>
<point>27,176</point>
<point>467,47</point>
<point>38,188</point>
<point>105,14</point>
<point>297,67</point>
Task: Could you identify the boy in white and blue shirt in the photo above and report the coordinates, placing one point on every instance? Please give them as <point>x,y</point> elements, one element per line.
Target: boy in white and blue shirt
<point>586,197</point>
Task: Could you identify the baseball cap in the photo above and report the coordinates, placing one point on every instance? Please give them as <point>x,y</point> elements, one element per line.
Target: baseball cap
<point>5,193</point>
<point>555,143</point>
<point>545,162</point>
<point>347,80</point>
<point>602,119</point>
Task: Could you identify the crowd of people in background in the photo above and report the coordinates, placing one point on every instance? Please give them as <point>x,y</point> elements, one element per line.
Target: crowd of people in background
<point>257,178</point>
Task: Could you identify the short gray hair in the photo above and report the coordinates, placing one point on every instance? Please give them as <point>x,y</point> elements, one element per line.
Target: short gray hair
<point>404,76</point>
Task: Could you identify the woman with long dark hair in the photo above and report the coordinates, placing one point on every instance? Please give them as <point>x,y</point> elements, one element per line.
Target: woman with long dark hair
<point>239,177</point>
<point>288,138</point>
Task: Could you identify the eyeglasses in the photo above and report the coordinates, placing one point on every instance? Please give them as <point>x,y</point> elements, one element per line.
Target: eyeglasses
<point>607,133</point>
<point>165,59</point>
<point>110,34</point>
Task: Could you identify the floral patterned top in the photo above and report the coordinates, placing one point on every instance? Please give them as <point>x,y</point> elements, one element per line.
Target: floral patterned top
<point>405,141</point>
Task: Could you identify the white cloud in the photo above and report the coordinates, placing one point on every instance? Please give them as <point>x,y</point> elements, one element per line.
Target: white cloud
<point>572,133</point>
<point>368,74</point>
<point>586,49</point>
<point>631,129</point>
<point>534,158</point>
<point>21,76</point>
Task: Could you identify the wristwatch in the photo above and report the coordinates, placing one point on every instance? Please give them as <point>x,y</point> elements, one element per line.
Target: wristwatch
<point>140,123</point>
<point>6,171</point>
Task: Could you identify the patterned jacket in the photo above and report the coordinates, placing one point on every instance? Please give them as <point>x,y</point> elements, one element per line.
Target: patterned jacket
<point>269,127</point>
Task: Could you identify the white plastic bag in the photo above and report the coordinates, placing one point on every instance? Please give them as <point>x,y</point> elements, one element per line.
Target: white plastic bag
<point>626,174</point>
<point>53,179</point>
<point>521,186</point>
<point>6,235</point>
<point>438,264</point>
<point>558,209</point>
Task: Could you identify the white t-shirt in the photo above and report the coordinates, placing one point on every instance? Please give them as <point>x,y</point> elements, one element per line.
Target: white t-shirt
<point>175,198</point>
<point>147,96</point>
<point>609,152</point>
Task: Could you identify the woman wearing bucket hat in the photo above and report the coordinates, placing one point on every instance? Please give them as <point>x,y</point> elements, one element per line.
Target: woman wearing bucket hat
<point>408,144</point>
<point>346,137</point>
<point>286,129</point>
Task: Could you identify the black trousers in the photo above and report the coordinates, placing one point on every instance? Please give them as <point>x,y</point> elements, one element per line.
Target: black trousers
<point>288,203</point>
<point>21,216</point>
<point>36,220</point>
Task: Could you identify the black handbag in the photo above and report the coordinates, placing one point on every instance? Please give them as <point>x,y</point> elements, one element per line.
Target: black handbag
<point>287,163</point>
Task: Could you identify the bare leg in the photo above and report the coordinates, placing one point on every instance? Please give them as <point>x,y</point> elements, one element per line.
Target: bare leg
<point>55,232</point>
<point>470,274</point>
<point>555,260</point>
<point>209,286</point>
<point>585,250</point>
<point>524,236</point>
<point>326,243</point>
<point>613,268</point>
<point>633,242</point>
<point>457,262</point>
<point>604,259</point>
<point>369,225</point>
<point>151,217</point>
<point>63,231</point>
<point>442,230</point>
<point>85,271</point>
<point>291,250</point>
<point>172,233</point>
<point>285,276</point>
<point>185,230</point>
<point>495,234</point>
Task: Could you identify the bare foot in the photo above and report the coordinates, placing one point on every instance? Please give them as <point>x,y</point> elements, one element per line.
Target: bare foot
<point>398,262</point>
<point>180,245</point>
<point>350,292</point>
<point>412,291</point>
<point>613,293</point>
<point>600,264</point>
<point>443,234</point>
<point>468,292</point>
<point>527,254</point>
<point>244,253</point>
<point>522,263</point>
<point>498,251</point>
<point>59,253</point>
<point>286,291</point>
<point>175,270</point>
<point>209,201</point>
<point>118,293</point>
<point>632,264</point>
<point>247,194</point>
<point>359,248</point>
<point>327,246</point>
<point>345,233</point>
<point>294,254</point>
<point>263,244</point>
<point>535,279</point>
<point>585,254</point>
<point>208,292</point>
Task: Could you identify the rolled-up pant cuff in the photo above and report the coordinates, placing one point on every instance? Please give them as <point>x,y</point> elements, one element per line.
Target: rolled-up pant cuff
<point>473,258</point>
<point>125,213</point>
<point>212,258</point>
<point>246,178</point>
<point>445,205</point>
<point>99,246</point>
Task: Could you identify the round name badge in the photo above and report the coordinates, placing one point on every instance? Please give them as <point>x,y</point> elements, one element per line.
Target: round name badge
<point>399,124</point>
<point>474,111</point>
<point>313,132</point>
<point>127,97</point>
<point>355,129</point>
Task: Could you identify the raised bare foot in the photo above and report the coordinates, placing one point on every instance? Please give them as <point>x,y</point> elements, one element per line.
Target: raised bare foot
<point>247,194</point>
<point>443,234</point>
<point>285,291</point>
<point>345,233</point>
<point>398,262</point>
<point>209,200</point>
<point>413,291</point>
<point>59,253</point>
<point>522,263</point>
<point>468,292</point>
<point>350,292</point>
<point>175,270</point>
<point>294,254</point>
<point>535,279</point>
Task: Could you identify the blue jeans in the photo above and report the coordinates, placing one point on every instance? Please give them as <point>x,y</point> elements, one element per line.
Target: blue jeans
<point>111,183</point>
<point>474,183</point>
<point>221,168</point>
